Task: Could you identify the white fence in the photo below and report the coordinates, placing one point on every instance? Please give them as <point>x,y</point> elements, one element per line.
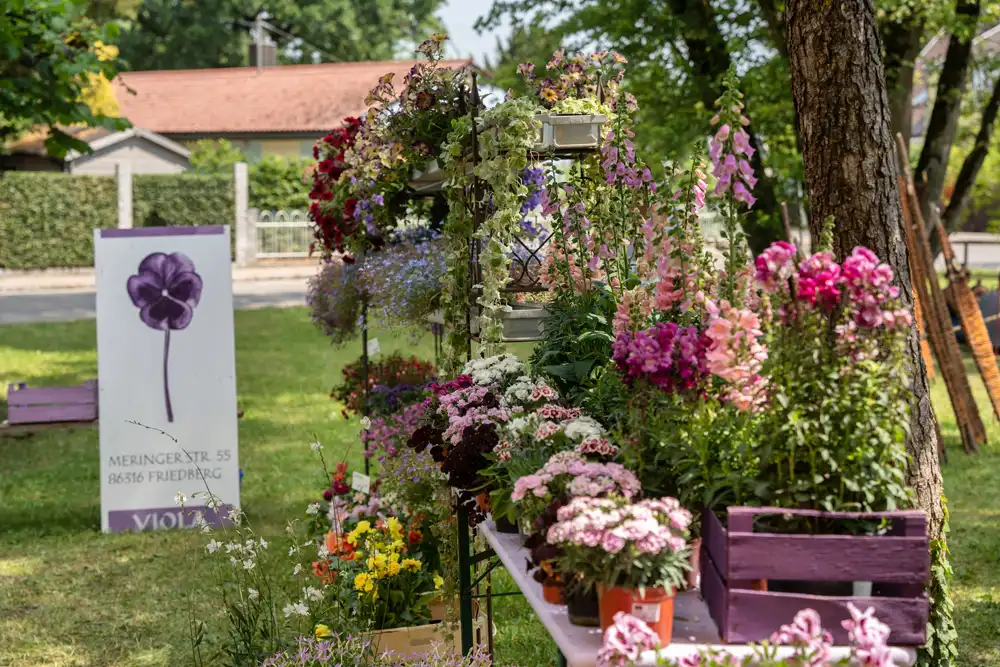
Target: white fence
<point>281,234</point>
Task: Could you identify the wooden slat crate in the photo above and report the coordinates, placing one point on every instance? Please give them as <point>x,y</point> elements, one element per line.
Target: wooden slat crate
<point>41,405</point>
<point>734,558</point>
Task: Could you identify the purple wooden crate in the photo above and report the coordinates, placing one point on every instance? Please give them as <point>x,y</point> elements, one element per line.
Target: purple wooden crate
<point>42,405</point>
<point>734,559</point>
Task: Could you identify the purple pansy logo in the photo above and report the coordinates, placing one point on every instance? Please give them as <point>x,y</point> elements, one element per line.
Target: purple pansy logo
<point>166,290</point>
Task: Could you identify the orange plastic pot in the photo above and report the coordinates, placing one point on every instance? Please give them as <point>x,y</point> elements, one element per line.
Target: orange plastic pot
<point>553,593</point>
<point>656,608</point>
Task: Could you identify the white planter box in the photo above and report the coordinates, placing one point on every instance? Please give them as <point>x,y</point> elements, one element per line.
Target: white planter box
<point>522,324</point>
<point>573,131</point>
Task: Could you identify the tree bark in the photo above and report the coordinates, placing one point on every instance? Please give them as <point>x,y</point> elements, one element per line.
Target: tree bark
<point>709,58</point>
<point>932,167</point>
<point>952,217</point>
<point>902,41</point>
<point>838,86</point>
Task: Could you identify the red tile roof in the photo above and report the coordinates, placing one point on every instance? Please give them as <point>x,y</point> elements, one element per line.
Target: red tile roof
<point>284,98</point>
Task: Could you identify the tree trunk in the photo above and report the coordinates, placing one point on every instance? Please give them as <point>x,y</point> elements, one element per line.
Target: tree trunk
<point>902,41</point>
<point>838,86</point>
<point>952,218</point>
<point>932,167</point>
<point>709,58</point>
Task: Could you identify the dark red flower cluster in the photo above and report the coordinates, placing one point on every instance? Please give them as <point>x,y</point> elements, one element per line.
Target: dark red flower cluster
<point>333,224</point>
<point>393,382</point>
<point>338,484</point>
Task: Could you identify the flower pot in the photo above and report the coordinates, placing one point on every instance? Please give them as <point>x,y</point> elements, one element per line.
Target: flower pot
<point>553,593</point>
<point>574,130</point>
<point>483,501</point>
<point>504,525</point>
<point>656,608</point>
<point>582,606</point>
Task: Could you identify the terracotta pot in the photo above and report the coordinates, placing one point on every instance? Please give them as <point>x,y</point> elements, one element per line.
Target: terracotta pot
<point>483,501</point>
<point>656,608</point>
<point>553,593</point>
<point>759,585</point>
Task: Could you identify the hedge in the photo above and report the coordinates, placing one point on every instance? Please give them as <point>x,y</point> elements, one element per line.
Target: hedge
<point>47,219</point>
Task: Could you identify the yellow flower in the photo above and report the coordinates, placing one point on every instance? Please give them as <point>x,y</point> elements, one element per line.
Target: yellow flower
<point>361,580</point>
<point>362,528</point>
<point>398,546</point>
<point>438,582</point>
<point>395,528</point>
<point>412,564</point>
<point>322,632</point>
<point>393,569</point>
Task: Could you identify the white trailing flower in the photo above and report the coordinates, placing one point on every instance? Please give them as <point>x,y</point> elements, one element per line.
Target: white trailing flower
<point>292,550</point>
<point>313,509</point>
<point>248,564</point>
<point>366,423</point>
<point>263,543</point>
<point>313,594</point>
<point>213,546</point>
<point>316,446</point>
<point>496,370</point>
<point>180,499</point>
<point>323,552</point>
<point>252,593</point>
<point>297,570</point>
<point>233,561</point>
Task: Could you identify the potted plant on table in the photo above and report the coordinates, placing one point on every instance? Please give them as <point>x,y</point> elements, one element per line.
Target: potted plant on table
<point>636,553</point>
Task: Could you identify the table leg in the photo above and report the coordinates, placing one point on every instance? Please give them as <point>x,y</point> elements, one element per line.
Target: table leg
<point>464,579</point>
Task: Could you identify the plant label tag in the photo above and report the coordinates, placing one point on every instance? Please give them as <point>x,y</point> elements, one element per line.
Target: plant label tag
<point>373,347</point>
<point>360,483</point>
<point>646,611</point>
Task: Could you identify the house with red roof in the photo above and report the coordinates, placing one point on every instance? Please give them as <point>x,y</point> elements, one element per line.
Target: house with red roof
<point>273,110</point>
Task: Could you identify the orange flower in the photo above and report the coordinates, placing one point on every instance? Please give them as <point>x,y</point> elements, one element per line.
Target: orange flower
<point>322,570</point>
<point>415,537</point>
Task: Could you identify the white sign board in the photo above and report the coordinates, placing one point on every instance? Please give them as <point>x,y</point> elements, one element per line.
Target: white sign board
<point>166,365</point>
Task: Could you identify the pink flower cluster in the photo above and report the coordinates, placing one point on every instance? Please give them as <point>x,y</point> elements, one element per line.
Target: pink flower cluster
<point>567,471</point>
<point>775,266</point>
<point>730,152</point>
<point>557,412</point>
<point>669,356</point>
<point>469,406</point>
<point>735,353</point>
<point>625,640</point>
<point>611,524</point>
<point>821,283</point>
<point>597,446</point>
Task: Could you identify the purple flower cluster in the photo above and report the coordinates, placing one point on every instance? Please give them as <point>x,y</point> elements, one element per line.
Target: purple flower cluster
<point>730,152</point>
<point>618,153</point>
<point>387,436</point>
<point>403,281</point>
<point>534,178</point>
<point>669,356</point>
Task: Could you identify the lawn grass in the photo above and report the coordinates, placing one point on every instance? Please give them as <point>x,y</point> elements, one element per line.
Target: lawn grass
<point>72,596</point>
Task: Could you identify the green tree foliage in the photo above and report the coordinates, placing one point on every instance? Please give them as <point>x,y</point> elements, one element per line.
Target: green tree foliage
<point>678,51</point>
<point>183,34</point>
<point>51,57</point>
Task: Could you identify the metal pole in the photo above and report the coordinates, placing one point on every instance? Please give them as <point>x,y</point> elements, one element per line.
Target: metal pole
<point>464,579</point>
<point>258,26</point>
<point>364,368</point>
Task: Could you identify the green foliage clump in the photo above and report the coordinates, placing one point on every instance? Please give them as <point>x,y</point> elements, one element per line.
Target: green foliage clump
<point>276,182</point>
<point>182,200</point>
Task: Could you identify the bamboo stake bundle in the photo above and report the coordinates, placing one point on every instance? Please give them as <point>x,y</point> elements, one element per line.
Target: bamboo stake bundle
<point>942,341</point>
<point>972,321</point>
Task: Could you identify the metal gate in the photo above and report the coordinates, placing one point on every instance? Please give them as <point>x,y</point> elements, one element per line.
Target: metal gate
<point>282,234</point>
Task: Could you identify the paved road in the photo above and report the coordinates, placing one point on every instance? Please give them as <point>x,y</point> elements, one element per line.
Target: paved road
<point>77,305</point>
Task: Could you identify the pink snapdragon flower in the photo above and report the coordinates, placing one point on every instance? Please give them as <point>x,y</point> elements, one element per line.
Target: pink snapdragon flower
<point>669,356</point>
<point>775,266</point>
